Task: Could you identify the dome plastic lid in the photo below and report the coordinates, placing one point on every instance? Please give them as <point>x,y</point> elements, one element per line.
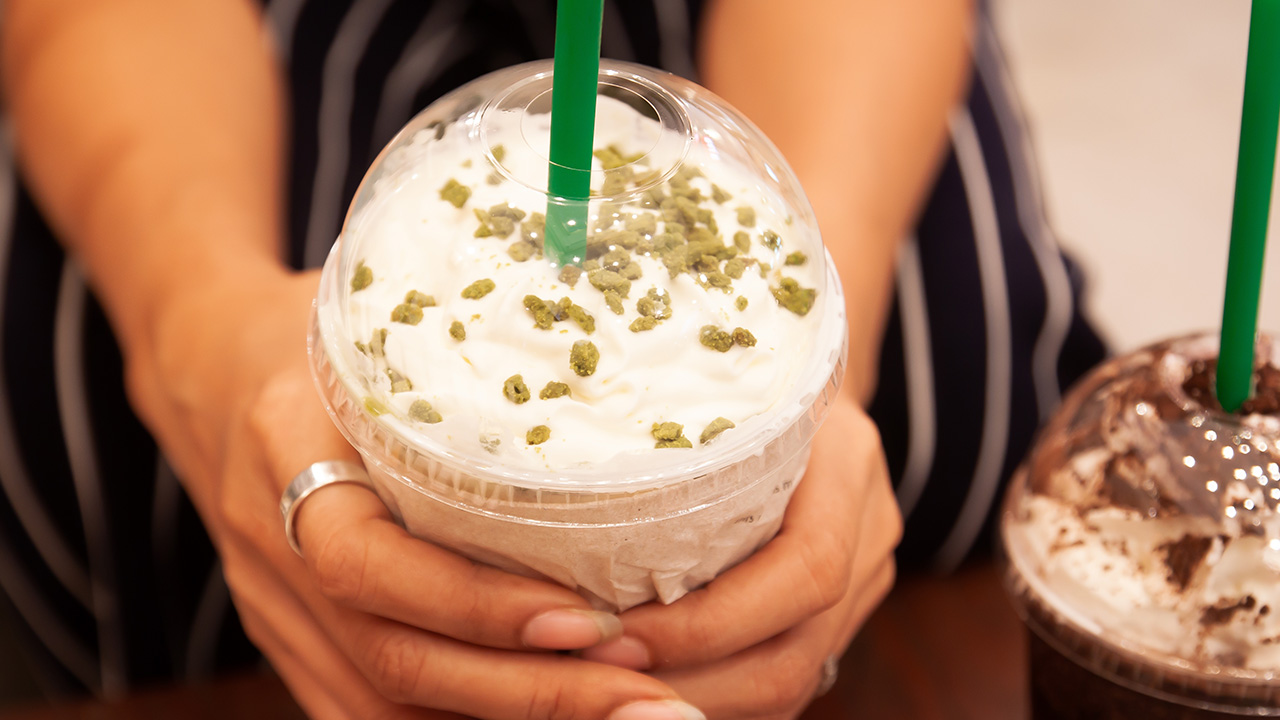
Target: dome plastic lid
<point>701,318</point>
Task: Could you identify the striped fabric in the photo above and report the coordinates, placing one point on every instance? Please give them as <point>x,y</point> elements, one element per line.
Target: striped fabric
<point>102,558</point>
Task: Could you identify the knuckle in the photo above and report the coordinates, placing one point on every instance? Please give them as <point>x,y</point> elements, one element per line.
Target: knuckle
<point>339,569</point>
<point>234,513</point>
<point>826,570</point>
<point>867,429</point>
<point>392,712</point>
<point>254,627</point>
<point>271,405</point>
<point>467,608</point>
<point>786,683</point>
<point>551,701</point>
<point>394,666</point>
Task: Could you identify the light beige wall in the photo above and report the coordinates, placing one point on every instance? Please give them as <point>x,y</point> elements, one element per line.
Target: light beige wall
<point>1135,110</point>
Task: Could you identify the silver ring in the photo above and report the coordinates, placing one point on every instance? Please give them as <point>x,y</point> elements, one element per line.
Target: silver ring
<point>830,670</point>
<point>316,476</point>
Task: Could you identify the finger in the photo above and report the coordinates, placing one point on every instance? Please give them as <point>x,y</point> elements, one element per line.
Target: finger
<point>807,568</point>
<point>778,678</point>
<point>408,665</point>
<point>358,558</point>
<point>319,677</point>
<point>358,555</point>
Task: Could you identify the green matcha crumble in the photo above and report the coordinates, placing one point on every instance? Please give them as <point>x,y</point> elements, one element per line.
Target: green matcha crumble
<point>713,430</point>
<point>734,267</point>
<point>361,278</point>
<point>506,211</point>
<point>375,406</point>
<point>455,193</point>
<point>747,216</point>
<point>569,275</point>
<point>399,383</point>
<point>609,280</point>
<point>522,250</point>
<point>407,313</point>
<point>499,152</point>
<point>770,239</point>
<point>614,184</point>
<point>579,315</point>
<point>493,178</point>
<point>796,258</point>
<point>719,194</point>
<point>719,280</point>
<point>378,343</point>
<point>457,331</point>
<point>670,435</point>
<point>791,296</point>
<point>515,390</point>
<point>641,324</point>
<point>741,302</point>
<point>534,228</point>
<point>554,390</point>
<point>422,300</point>
<point>715,338</point>
<point>583,358</point>
<point>742,241</point>
<point>499,220</point>
<point>478,289</point>
<point>614,302</point>
<point>543,317</point>
<point>537,435</point>
<point>742,337</point>
<point>421,411</point>
<point>643,224</point>
<point>655,305</point>
<point>612,157</point>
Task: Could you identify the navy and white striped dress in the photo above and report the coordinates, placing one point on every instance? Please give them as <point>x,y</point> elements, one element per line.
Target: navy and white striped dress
<point>102,559</point>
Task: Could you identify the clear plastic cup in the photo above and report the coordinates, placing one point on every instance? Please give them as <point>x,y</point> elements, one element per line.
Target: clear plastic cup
<point>453,442</point>
<point>1142,539</point>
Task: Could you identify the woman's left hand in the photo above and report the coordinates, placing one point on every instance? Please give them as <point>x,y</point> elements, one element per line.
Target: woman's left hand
<point>753,642</point>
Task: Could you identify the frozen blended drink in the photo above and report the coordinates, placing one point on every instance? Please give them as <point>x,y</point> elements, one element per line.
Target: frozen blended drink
<point>629,421</point>
<point>1143,543</point>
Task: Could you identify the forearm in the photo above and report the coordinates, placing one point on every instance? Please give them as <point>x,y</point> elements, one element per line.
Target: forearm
<point>856,95</point>
<point>150,132</point>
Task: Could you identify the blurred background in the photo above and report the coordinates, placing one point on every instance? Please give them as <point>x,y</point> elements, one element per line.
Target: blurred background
<point>1134,108</point>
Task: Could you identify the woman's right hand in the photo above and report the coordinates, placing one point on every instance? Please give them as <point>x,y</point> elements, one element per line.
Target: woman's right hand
<point>373,623</point>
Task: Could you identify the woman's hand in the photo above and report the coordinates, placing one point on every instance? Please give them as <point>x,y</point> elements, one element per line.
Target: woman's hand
<point>752,643</point>
<point>374,623</point>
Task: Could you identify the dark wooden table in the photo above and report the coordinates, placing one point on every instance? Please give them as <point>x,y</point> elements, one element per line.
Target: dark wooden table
<point>937,649</point>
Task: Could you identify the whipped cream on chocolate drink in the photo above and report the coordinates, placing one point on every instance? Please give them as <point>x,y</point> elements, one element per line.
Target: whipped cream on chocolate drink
<point>1147,519</point>
<point>691,307</point>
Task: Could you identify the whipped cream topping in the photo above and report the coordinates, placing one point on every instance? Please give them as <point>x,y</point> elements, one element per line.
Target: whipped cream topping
<point>412,237</point>
<point>1110,571</point>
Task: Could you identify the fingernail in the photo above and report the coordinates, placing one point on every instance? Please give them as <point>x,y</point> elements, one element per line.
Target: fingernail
<point>571,629</point>
<point>658,710</point>
<point>626,652</point>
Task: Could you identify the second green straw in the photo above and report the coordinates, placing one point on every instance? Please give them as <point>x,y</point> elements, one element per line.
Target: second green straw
<point>1254,175</point>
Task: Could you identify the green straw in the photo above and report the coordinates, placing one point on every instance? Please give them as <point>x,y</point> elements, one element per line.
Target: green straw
<point>1254,169</point>
<point>573,123</point>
